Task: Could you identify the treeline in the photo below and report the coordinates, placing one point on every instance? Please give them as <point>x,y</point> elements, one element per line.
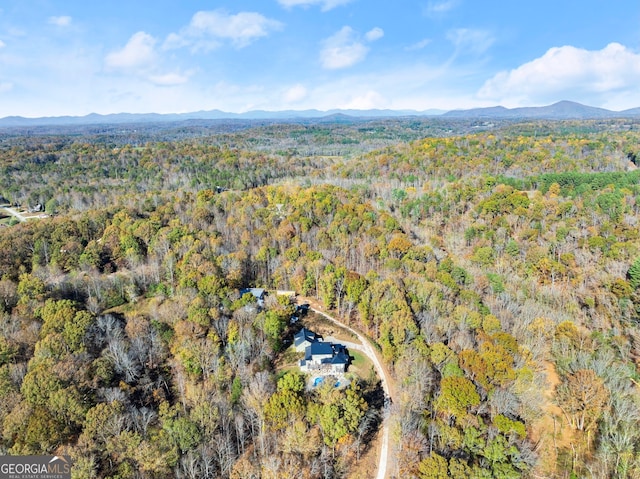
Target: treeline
<point>81,176</point>
<point>577,184</point>
<point>76,173</point>
<point>496,153</point>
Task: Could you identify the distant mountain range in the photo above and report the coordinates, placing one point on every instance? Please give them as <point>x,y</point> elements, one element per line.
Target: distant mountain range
<point>558,111</point>
<point>123,118</point>
<point>562,110</point>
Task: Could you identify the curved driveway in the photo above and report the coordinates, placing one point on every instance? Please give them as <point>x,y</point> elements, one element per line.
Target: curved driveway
<point>368,349</point>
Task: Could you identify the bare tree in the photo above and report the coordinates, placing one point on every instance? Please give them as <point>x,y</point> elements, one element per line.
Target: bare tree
<point>142,418</point>
<point>254,397</point>
<point>124,362</point>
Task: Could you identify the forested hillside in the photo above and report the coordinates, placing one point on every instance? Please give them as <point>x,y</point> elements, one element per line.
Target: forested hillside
<point>496,268</point>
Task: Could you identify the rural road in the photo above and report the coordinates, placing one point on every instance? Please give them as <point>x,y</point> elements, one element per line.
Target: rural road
<point>368,349</point>
<point>13,212</point>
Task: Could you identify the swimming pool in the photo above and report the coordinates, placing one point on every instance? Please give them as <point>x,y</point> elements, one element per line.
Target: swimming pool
<point>317,381</point>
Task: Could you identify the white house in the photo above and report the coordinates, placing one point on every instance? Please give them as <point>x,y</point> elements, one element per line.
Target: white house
<point>325,358</point>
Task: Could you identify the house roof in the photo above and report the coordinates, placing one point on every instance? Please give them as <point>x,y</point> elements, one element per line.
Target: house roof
<point>340,357</point>
<point>318,349</point>
<point>257,292</point>
<point>304,335</point>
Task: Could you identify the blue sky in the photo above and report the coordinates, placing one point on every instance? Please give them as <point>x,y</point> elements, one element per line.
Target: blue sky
<point>78,57</point>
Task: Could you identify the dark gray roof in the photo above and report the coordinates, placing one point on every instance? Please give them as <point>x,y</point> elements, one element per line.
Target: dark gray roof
<point>318,349</point>
<point>304,335</point>
<point>340,357</point>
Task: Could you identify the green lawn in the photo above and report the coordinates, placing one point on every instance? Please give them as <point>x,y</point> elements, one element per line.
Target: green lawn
<point>361,366</point>
<point>359,359</point>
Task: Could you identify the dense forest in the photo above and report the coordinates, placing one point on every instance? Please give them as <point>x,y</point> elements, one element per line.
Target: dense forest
<point>496,267</point>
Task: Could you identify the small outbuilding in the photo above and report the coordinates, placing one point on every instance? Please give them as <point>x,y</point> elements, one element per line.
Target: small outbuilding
<point>258,293</point>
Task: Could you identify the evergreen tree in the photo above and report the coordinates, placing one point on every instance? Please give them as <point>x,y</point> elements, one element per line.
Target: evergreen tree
<point>634,274</point>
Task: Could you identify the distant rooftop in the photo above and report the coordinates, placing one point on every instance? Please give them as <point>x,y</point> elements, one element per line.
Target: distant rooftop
<point>257,292</point>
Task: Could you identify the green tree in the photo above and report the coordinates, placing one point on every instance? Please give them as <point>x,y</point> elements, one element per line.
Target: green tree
<point>30,288</point>
<point>634,274</point>
<point>292,381</point>
<point>51,206</point>
<point>40,382</point>
<point>274,326</point>
<point>8,351</point>
<point>181,431</point>
<point>433,467</point>
<point>55,314</point>
<point>330,421</point>
<point>457,394</point>
<point>63,317</point>
<point>483,255</point>
<point>283,407</point>
<point>75,330</point>
<point>69,407</point>
<point>40,433</point>
<point>459,469</point>
<point>354,407</point>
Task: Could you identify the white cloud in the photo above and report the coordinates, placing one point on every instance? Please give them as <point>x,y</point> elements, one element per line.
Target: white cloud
<point>138,52</point>
<point>345,48</point>
<point>2,44</point>
<point>342,50</point>
<point>439,8</point>
<point>326,5</point>
<point>175,41</point>
<point>369,100</point>
<point>595,77</point>
<point>84,88</point>
<point>5,87</point>
<point>416,86</point>
<point>61,21</point>
<point>419,45</point>
<point>207,28</point>
<point>374,34</point>
<point>170,79</point>
<point>295,94</point>
<point>470,40</point>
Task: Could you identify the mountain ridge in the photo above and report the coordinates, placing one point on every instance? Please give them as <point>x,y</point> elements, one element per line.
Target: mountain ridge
<point>560,110</point>
<point>557,111</point>
<point>115,118</point>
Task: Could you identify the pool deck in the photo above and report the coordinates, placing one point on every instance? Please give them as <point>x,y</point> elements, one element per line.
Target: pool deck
<point>317,380</point>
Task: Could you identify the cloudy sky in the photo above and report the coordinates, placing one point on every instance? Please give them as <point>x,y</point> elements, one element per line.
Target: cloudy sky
<point>74,57</point>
